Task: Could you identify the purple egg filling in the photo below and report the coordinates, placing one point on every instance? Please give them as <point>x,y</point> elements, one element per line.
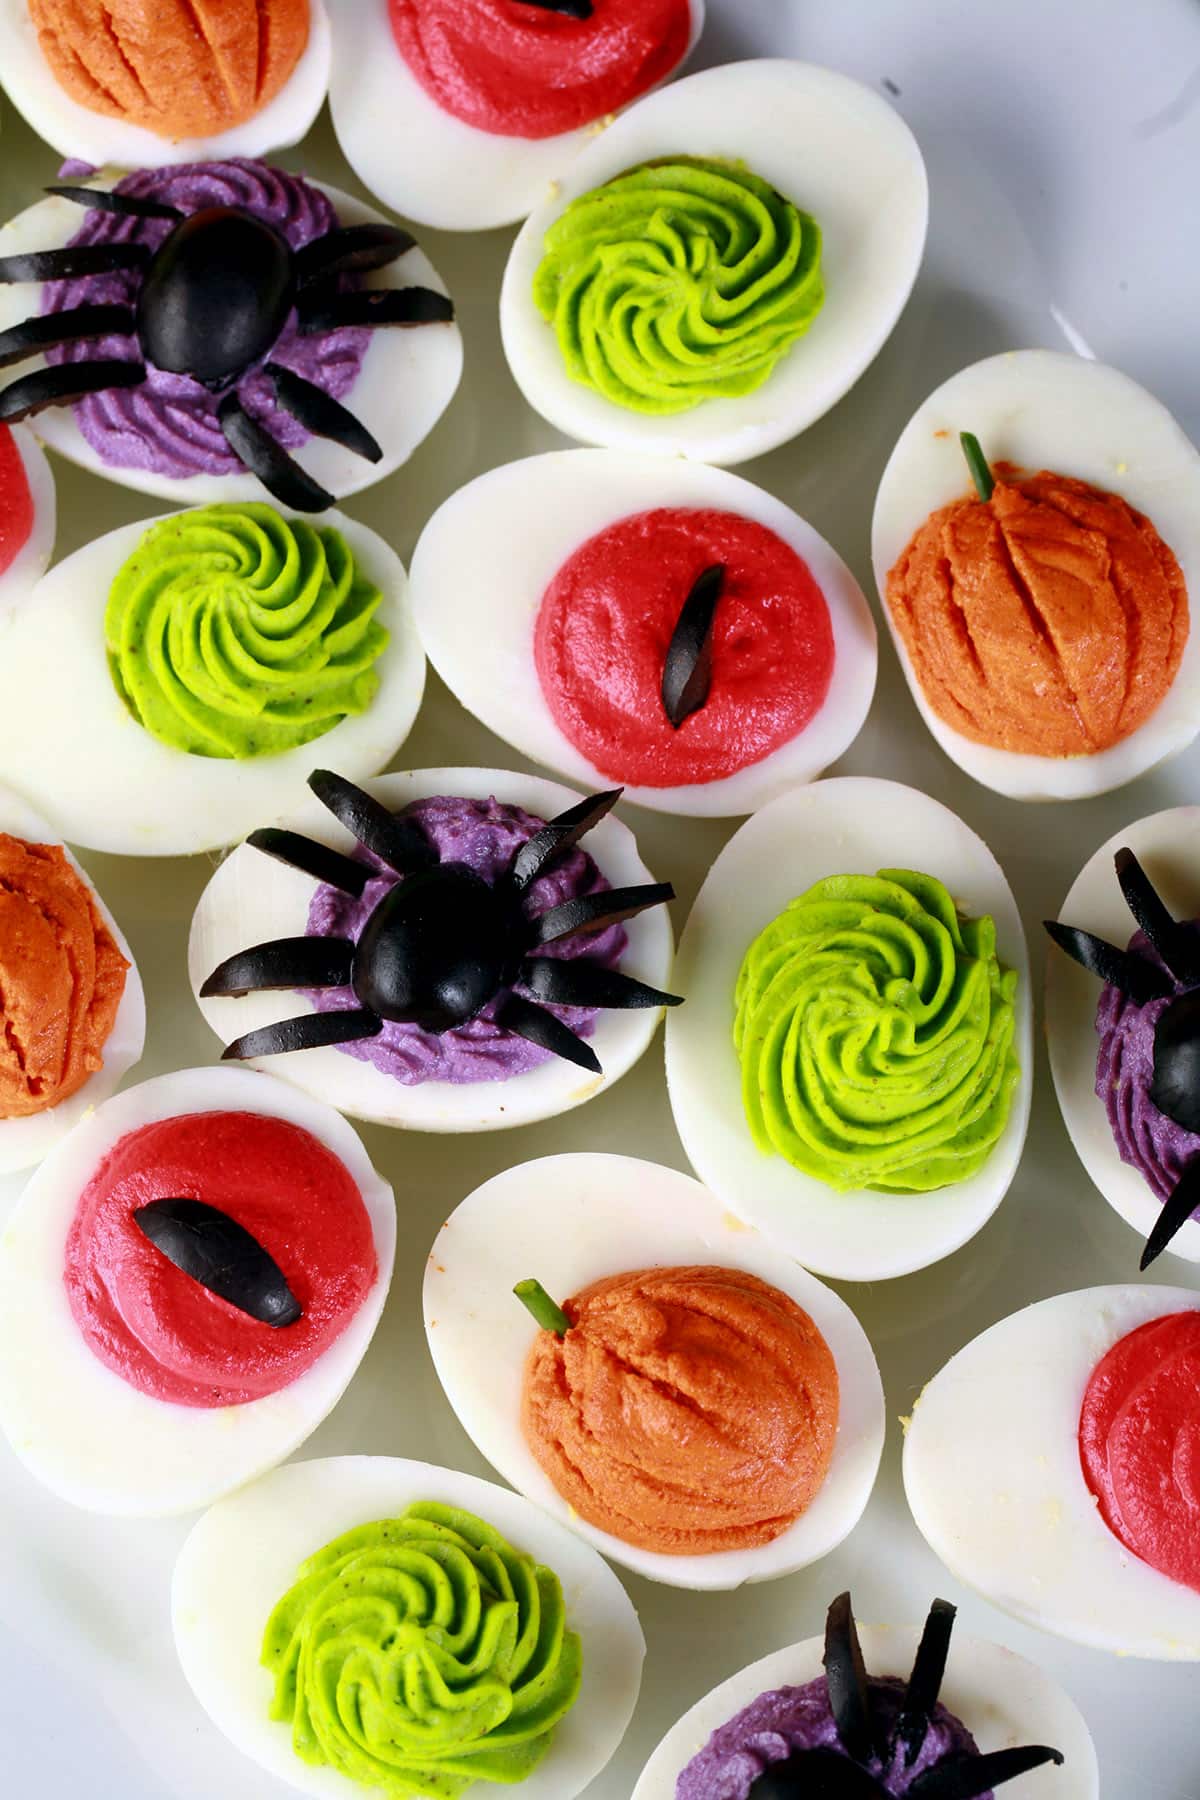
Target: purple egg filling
<point>800,1718</point>
<point>1145,1137</point>
<point>168,424</point>
<point>486,836</point>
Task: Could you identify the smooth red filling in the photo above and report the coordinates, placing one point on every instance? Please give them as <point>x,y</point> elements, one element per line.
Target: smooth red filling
<point>606,622</point>
<point>1139,1443</point>
<point>163,1332</point>
<point>522,70</point>
<point>16,501</point>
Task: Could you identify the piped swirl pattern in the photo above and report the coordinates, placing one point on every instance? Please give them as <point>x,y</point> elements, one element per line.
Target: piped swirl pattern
<point>679,281</point>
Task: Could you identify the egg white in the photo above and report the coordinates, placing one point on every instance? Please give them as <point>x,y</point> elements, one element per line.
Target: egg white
<point>569,1221</point>
<point>1002,1699</point>
<point>242,1557</point>
<point>407,379</point>
<point>993,1478</point>
<point>252,899</point>
<point>1168,846</point>
<point>1045,409</point>
<point>106,781</point>
<point>75,130</point>
<point>851,825</point>
<point>486,558</point>
<point>829,145</point>
<point>419,159</point>
<point>78,1426</point>
<point>24,1142</point>
<point>33,557</point>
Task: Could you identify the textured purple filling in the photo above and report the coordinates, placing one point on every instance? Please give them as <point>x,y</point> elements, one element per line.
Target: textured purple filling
<point>168,424</point>
<point>1145,1138</point>
<point>486,836</point>
<point>800,1718</point>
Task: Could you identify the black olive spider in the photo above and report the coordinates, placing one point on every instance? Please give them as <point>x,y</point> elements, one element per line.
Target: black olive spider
<point>876,1725</point>
<point>213,299</point>
<point>1175,978</point>
<point>442,943</point>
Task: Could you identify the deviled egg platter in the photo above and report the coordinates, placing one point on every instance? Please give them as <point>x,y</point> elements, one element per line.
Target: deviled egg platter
<point>669,626</point>
<point>169,686</point>
<point>446,949</point>
<point>462,114</point>
<point>1121,1011</point>
<point>27,513</point>
<point>131,83</point>
<point>187,1285</point>
<point>472,1639</point>
<point>1052,1465</point>
<point>684,1397</point>
<point>1036,580</point>
<point>852,1071</point>
<point>864,1712</point>
<point>262,335</point>
<point>720,266</point>
<point>72,1008</point>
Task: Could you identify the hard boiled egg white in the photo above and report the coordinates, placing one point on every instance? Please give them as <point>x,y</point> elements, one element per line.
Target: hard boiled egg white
<point>419,159</point>
<point>252,899</point>
<point>242,1557</point>
<point>24,1142</point>
<point>1167,844</point>
<point>828,144</point>
<point>1001,1699</point>
<point>33,556</point>
<point>70,742</point>
<point>77,1425</point>
<point>992,1474</point>
<point>489,553</point>
<point>852,825</point>
<point>407,379</point>
<point>569,1221</point>
<point>75,130</point>
<point>1044,409</point>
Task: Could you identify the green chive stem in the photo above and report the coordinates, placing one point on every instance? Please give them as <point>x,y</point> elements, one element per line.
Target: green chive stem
<point>977,462</point>
<point>549,1315</point>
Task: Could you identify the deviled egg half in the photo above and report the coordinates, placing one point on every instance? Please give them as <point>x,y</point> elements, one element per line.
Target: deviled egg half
<point>1121,1010</point>
<point>1052,1465</point>
<point>446,949</point>
<point>132,83</point>
<point>433,1580</point>
<point>27,513</point>
<point>852,1071</point>
<point>685,1398</point>
<point>795,203</point>
<point>461,114</point>
<point>263,335</point>
<point>169,685</point>
<point>187,1285</point>
<point>665,625</point>
<point>1044,629</point>
<point>72,1008</point>
<point>871,1711</point>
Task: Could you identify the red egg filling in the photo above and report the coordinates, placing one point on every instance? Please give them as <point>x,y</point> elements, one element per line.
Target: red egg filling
<point>519,69</point>
<point>16,501</point>
<point>1139,1443</point>
<point>164,1333</point>
<point>606,623</point>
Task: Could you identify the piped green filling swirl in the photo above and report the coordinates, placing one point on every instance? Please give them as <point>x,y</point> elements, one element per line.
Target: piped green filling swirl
<point>875,1030</point>
<point>234,632</point>
<point>679,281</point>
<point>421,1654</point>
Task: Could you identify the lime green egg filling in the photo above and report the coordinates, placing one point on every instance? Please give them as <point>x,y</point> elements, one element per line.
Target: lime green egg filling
<point>682,280</point>
<point>875,1031</point>
<point>234,632</point>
